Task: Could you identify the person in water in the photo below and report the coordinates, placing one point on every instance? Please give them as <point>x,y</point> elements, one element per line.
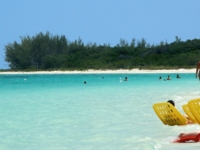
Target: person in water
<point>160,78</point>
<point>197,69</point>
<point>168,78</point>
<point>126,79</point>
<point>199,75</point>
<point>178,76</point>
<point>189,121</point>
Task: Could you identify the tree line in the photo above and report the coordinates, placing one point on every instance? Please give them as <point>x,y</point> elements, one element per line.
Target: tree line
<point>45,51</point>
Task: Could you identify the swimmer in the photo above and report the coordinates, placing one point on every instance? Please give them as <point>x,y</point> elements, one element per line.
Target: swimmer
<point>85,82</point>
<point>178,76</point>
<point>126,79</point>
<point>160,78</point>
<point>168,78</point>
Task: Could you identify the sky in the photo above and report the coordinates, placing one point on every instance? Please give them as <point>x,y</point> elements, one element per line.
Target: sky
<point>99,21</point>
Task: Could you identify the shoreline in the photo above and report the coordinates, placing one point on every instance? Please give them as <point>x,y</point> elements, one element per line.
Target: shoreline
<point>91,71</point>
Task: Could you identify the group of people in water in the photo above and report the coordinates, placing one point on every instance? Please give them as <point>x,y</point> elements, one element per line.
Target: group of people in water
<point>178,76</point>
<point>169,78</point>
<point>183,137</point>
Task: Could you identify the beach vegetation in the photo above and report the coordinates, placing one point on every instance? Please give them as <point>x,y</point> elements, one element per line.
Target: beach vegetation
<point>45,51</point>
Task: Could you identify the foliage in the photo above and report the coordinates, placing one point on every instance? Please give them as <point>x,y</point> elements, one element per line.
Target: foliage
<point>48,52</point>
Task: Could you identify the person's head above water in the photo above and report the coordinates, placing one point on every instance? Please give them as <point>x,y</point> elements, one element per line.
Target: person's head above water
<point>172,102</point>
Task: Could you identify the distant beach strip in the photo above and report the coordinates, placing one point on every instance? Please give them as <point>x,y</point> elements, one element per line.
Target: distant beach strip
<point>91,71</point>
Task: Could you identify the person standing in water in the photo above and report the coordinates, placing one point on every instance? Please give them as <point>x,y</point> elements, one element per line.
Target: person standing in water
<point>199,75</point>
<point>198,69</point>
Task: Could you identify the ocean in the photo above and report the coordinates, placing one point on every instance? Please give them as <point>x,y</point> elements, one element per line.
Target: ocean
<point>61,112</point>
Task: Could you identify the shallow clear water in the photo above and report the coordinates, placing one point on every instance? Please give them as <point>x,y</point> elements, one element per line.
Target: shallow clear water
<point>61,112</point>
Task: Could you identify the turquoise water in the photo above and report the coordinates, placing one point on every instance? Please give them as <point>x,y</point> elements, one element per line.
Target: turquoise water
<point>61,112</point>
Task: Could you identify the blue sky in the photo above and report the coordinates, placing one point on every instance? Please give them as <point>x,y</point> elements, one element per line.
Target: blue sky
<point>100,21</point>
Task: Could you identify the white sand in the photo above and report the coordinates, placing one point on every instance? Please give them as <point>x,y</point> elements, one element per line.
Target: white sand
<point>106,71</point>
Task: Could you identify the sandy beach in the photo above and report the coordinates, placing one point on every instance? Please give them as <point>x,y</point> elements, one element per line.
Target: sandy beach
<point>90,71</point>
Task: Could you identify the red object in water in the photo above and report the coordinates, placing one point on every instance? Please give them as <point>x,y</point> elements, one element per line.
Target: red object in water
<point>188,137</point>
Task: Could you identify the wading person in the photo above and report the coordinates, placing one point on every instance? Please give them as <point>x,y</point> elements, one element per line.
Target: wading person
<point>197,69</point>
